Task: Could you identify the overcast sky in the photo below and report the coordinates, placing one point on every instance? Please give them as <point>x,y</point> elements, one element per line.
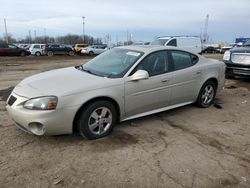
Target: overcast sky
<point>145,19</point>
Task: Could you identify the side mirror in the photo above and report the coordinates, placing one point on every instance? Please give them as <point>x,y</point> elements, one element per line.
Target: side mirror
<point>139,75</point>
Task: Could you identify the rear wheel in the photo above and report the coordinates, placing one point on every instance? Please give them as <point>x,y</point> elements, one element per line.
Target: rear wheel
<point>206,95</point>
<point>91,53</point>
<point>97,119</point>
<point>37,54</point>
<point>50,53</point>
<point>22,54</point>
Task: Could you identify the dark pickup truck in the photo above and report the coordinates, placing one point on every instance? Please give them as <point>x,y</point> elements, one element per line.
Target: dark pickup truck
<point>237,61</point>
<point>12,50</point>
<point>58,49</point>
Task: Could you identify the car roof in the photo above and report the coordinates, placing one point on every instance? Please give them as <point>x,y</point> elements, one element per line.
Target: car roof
<point>148,48</point>
<point>37,44</point>
<point>168,37</point>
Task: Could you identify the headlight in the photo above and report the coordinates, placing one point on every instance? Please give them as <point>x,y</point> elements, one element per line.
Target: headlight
<point>41,103</point>
<point>226,56</point>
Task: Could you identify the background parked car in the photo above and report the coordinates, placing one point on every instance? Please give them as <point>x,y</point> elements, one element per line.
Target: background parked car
<point>211,49</point>
<point>12,50</point>
<point>237,61</point>
<point>185,42</point>
<point>24,46</point>
<point>58,49</point>
<point>94,50</point>
<point>225,48</point>
<point>78,47</point>
<point>37,49</point>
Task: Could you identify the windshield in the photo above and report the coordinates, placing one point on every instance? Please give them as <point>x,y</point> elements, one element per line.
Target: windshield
<point>247,43</point>
<point>113,63</point>
<point>161,42</point>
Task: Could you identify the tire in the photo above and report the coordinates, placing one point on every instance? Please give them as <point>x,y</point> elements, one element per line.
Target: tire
<point>71,53</point>
<point>38,54</point>
<point>91,116</point>
<point>50,53</point>
<point>22,54</point>
<point>207,94</point>
<point>91,53</point>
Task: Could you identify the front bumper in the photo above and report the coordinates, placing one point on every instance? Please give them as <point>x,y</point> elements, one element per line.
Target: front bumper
<point>233,69</point>
<point>52,122</point>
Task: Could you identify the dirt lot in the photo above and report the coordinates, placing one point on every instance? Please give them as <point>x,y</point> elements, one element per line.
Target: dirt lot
<point>184,147</point>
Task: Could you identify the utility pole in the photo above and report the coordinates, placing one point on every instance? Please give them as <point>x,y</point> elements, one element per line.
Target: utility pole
<point>205,35</point>
<point>6,32</point>
<point>44,35</point>
<point>29,37</point>
<point>83,28</point>
<point>116,40</point>
<point>127,37</point>
<point>35,35</point>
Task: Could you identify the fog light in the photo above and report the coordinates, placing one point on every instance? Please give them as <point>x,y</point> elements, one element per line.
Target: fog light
<point>37,128</point>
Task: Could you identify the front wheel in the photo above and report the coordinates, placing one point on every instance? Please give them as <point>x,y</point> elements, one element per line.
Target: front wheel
<point>97,120</point>
<point>206,95</point>
<point>71,53</point>
<point>50,53</point>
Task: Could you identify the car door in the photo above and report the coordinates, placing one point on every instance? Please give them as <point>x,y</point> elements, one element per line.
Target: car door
<point>186,77</point>
<point>153,93</point>
<point>4,50</point>
<point>13,50</point>
<point>56,49</point>
<point>62,49</point>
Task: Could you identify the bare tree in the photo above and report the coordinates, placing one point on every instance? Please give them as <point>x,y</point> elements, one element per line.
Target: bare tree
<point>10,38</point>
<point>70,39</point>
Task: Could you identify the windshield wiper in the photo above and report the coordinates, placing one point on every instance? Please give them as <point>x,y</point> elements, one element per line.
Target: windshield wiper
<point>88,71</point>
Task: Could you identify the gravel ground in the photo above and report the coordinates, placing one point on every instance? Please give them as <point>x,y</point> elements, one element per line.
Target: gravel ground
<point>184,147</point>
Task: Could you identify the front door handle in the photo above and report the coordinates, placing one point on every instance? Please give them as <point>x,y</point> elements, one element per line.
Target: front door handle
<point>165,80</point>
<point>198,72</point>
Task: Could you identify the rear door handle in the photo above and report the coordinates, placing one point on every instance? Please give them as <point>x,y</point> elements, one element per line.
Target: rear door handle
<point>198,72</point>
<point>165,80</point>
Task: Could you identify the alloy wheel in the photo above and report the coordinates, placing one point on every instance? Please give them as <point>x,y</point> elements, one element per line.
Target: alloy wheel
<point>100,120</point>
<point>207,94</point>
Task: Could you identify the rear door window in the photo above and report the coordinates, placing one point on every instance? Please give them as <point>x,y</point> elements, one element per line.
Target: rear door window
<point>182,59</point>
<point>11,46</point>
<point>55,46</point>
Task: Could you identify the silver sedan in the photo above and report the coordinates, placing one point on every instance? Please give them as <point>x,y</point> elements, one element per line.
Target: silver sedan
<point>120,84</point>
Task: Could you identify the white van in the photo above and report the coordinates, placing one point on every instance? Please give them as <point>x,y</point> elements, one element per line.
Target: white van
<point>185,42</point>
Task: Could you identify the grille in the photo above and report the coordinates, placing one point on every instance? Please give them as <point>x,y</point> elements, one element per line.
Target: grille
<point>11,100</point>
<point>244,72</point>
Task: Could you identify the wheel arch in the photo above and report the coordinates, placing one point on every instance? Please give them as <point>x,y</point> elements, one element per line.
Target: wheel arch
<point>78,113</point>
<point>213,79</point>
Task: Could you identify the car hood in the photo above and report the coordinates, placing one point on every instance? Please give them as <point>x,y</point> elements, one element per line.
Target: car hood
<point>61,82</point>
<point>240,50</point>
